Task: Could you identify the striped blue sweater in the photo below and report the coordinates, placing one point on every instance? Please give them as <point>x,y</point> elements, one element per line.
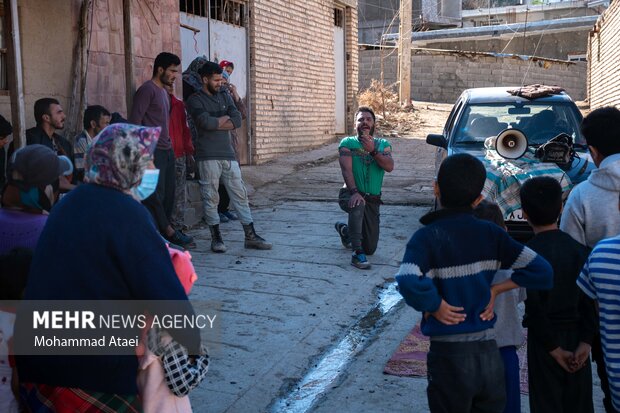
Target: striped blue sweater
<point>455,257</point>
<point>600,280</point>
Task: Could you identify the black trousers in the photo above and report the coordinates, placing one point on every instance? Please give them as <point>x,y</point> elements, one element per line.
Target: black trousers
<point>161,203</point>
<point>224,199</point>
<point>363,223</point>
<point>553,389</point>
<point>465,377</point>
<point>599,360</point>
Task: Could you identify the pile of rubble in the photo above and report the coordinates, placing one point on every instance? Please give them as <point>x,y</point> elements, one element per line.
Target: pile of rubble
<point>392,118</point>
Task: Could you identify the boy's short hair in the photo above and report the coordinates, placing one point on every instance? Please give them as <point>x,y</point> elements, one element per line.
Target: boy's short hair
<point>490,211</point>
<point>209,69</point>
<point>541,200</point>
<point>94,112</point>
<point>601,128</point>
<point>460,179</point>
<point>165,60</point>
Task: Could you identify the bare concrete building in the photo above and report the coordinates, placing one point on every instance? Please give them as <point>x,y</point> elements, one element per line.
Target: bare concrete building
<point>295,60</point>
<point>378,17</point>
<point>528,11</point>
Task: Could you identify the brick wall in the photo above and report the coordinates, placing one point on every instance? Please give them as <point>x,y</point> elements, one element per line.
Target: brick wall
<point>352,51</point>
<point>604,60</point>
<point>292,73</point>
<point>441,76</point>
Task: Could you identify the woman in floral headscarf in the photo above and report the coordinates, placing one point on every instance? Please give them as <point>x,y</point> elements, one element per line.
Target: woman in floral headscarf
<point>100,244</point>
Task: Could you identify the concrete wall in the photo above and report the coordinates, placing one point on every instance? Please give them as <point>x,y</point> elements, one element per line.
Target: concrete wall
<point>293,74</point>
<point>155,27</point>
<point>48,39</point>
<point>604,60</point>
<point>441,76</point>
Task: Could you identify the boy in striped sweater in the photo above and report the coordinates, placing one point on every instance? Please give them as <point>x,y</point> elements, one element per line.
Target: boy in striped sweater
<point>447,273</point>
<point>600,280</point>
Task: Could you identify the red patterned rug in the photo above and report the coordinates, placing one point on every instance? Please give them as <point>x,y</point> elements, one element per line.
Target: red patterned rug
<point>409,360</point>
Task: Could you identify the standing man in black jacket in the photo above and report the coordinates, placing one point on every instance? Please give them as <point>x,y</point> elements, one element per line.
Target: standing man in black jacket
<point>214,114</point>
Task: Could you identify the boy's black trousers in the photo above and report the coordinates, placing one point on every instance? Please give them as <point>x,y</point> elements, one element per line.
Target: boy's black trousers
<point>553,389</point>
<point>465,377</point>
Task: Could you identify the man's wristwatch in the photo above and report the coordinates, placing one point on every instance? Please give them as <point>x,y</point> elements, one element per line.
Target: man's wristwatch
<point>374,153</point>
<point>353,191</point>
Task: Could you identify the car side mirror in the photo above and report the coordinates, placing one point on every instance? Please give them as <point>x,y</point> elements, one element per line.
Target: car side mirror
<point>437,140</point>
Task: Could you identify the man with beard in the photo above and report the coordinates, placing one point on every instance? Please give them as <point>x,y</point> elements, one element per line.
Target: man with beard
<point>50,117</point>
<point>215,115</point>
<point>151,107</point>
<point>364,160</point>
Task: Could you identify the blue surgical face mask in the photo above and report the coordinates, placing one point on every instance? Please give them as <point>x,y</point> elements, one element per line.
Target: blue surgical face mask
<point>30,198</point>
<point>148,184</point>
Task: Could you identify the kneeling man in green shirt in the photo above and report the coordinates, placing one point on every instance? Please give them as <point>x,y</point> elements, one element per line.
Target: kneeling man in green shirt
<point>364,160</point>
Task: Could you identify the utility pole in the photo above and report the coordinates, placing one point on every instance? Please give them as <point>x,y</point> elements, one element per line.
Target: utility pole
<point>130,86</point>
<point>404,52</point>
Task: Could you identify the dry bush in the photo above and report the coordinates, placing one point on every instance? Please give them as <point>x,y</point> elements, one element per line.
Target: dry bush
<point>379,97</point>
<point>392,118</point>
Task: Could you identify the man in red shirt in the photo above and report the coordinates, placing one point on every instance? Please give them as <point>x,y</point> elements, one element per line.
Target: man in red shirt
<point>183,154</point>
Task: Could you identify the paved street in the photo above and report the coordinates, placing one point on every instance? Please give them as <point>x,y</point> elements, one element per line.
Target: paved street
<point>281,310</point>
<point>285,315</point>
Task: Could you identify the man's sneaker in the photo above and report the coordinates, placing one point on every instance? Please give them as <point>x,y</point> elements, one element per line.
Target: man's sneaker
<point>358,259</point>
<point>223,218</point>
<point>179,238</point>
<point>342,230</point>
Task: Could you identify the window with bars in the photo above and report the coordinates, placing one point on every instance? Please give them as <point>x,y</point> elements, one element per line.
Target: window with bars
<point>229,11</point>
<point>339,18</point>
<point>195,7</point>
<point>3,57</point>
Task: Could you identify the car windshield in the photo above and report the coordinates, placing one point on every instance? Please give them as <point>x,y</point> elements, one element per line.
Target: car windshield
<point>540,121</point>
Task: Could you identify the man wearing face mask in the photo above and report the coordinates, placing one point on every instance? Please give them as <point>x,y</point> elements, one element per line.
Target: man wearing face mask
<point>96,118</point>
<point>27,197</point>
<point>364,160</point>
<point>215,115</point>
<point>151,107</point>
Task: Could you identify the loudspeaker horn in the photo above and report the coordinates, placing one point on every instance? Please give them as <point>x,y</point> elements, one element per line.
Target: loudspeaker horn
<point>511,143</point>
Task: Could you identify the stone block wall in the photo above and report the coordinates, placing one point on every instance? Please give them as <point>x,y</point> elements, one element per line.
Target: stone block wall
<point>441,75</point>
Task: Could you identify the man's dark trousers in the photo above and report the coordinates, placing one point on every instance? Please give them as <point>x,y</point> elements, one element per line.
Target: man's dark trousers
<point>465,377</point>
<point>363,222</point>
<point>161,203</point>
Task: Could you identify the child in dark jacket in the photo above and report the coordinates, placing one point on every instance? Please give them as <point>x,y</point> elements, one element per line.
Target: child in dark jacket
<point>561,322</point>
<point>446,273</point>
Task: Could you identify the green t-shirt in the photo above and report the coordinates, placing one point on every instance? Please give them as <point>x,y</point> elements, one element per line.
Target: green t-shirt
<point>368,175</point>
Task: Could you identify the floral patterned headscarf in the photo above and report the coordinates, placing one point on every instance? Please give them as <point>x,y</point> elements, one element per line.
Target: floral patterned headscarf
<point>119,155</point>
